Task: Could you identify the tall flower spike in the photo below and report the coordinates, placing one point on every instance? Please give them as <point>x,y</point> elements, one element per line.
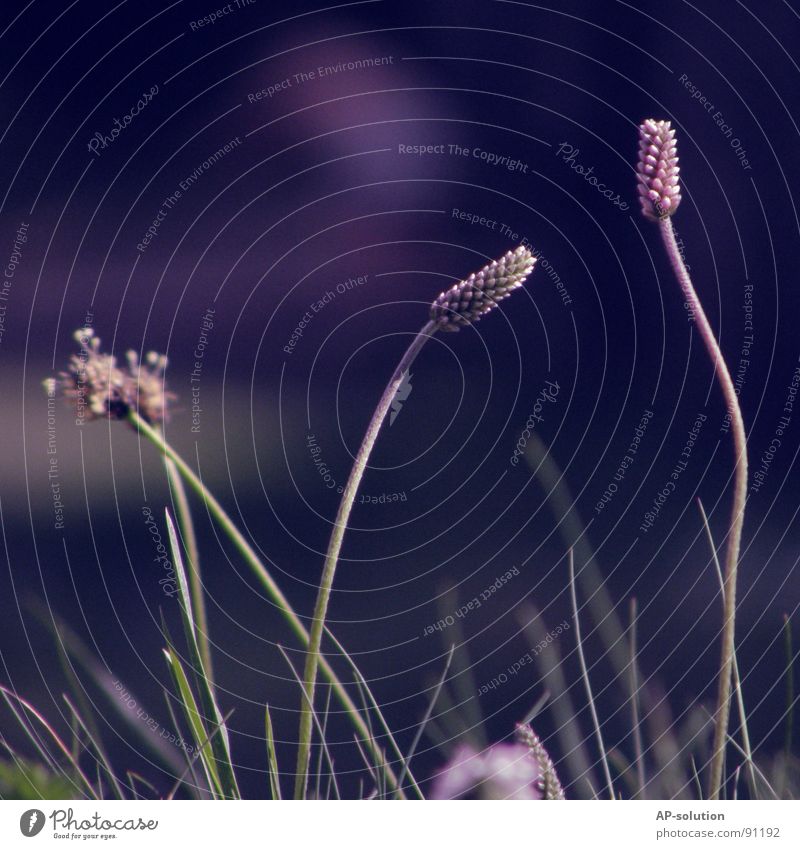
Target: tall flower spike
<point>465,302</point>
<point>659,183</point>
<point>659,194</point>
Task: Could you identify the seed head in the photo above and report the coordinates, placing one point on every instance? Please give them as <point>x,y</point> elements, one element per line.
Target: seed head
<point>465,302</point>
<point>659,183</point>
<point>98,387</point>
<point>548,782</point>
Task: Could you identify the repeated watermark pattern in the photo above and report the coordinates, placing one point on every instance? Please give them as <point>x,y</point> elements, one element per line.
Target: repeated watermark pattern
<point>400,396</point>
<point>172,200</point>
<point>130,702</point>
<point>524,660</point>
<point>548,395</point>
<point>569,155</point>
<point>10,272</point>
<point>206,326</point>
<point>719,119</point>
<point>488,157</point>
<point>318,73</point>
<point>102,141</point>
<point>218,14</point>
<point>473,604</point>
<point>625,463</point>
<point>317,306</point>
<point>785,420</point>
<point>743,365</point>
<point>677,470</point>
<point>168,582</point>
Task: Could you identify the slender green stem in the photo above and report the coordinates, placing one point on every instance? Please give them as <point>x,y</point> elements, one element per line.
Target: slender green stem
<point>637,727</point>
<point>313,658</point>
<point>259,570</point>
<point>189,537</point>
<point>722,714</point>
<point>787,641</point>
<point>586,681</point>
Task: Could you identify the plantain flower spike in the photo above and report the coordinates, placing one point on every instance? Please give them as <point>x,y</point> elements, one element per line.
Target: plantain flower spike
<point>657,170</point>
<point>466,302</point>
<point>548,782</point>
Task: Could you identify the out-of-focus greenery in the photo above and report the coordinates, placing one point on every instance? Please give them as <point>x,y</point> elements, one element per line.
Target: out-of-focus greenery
<point>27,780</point>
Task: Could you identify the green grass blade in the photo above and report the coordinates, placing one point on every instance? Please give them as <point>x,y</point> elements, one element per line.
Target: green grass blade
<point>426,719</point>
<point>272,756</point>
<point>361,681</point>
<point>638,745</point>
<point>585,675</point>
<point>28,709</point>
<point>220,743</point>
<point>97,745</point>
<point>186,525</point>
<point>315,717</point>
<point>195,721</point>
<point>787,641</point>
<point>202,747</point>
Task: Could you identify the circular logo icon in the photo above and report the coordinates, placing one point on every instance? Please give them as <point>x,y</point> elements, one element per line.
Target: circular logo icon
<point>31,822</point>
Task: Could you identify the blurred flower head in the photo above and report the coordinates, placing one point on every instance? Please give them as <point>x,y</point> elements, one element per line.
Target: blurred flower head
<point>503,771</point>
<point>100,388</point>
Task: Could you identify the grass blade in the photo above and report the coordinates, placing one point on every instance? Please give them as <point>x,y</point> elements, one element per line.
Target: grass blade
<point>425,719</point>
<point>192,715</point>
<point>637,727</point>
<point>787,640</point>
<point>585,675</point>
<point>272,756</point>
<point>373,702</point>
<point>27,708</point>
<point>189,536</point>
<point>102,758</point>
<point>220,743</point>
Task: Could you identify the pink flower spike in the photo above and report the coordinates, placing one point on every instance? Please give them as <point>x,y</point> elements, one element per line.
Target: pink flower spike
<point>657,170</point>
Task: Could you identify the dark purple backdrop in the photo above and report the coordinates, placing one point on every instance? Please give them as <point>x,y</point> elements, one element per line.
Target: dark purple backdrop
<point>316,192</point>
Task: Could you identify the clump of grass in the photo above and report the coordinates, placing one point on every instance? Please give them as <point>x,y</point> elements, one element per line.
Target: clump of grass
<point>99,387</point>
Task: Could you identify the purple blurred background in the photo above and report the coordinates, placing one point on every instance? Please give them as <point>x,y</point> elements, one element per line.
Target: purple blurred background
<point>316,208</point>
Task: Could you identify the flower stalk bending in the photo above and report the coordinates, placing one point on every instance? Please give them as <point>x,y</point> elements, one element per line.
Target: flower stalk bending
<point>659,195</point>
<point>461,305</point>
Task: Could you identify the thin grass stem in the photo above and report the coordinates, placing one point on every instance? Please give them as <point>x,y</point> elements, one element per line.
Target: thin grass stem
<point>787,641</point>
<point>189,537</point>
<point>635,719</point>
<point>585,675</point>
<point>335,546</point>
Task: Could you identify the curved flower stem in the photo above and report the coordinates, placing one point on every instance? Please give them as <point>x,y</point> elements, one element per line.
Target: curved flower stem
<point>313,658</point>
<point>722,714</point>
<point>265,579</point>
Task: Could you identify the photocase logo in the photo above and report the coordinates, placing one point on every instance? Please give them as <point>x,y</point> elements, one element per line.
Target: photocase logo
<point>31,822</point>
<point>403,391</point>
